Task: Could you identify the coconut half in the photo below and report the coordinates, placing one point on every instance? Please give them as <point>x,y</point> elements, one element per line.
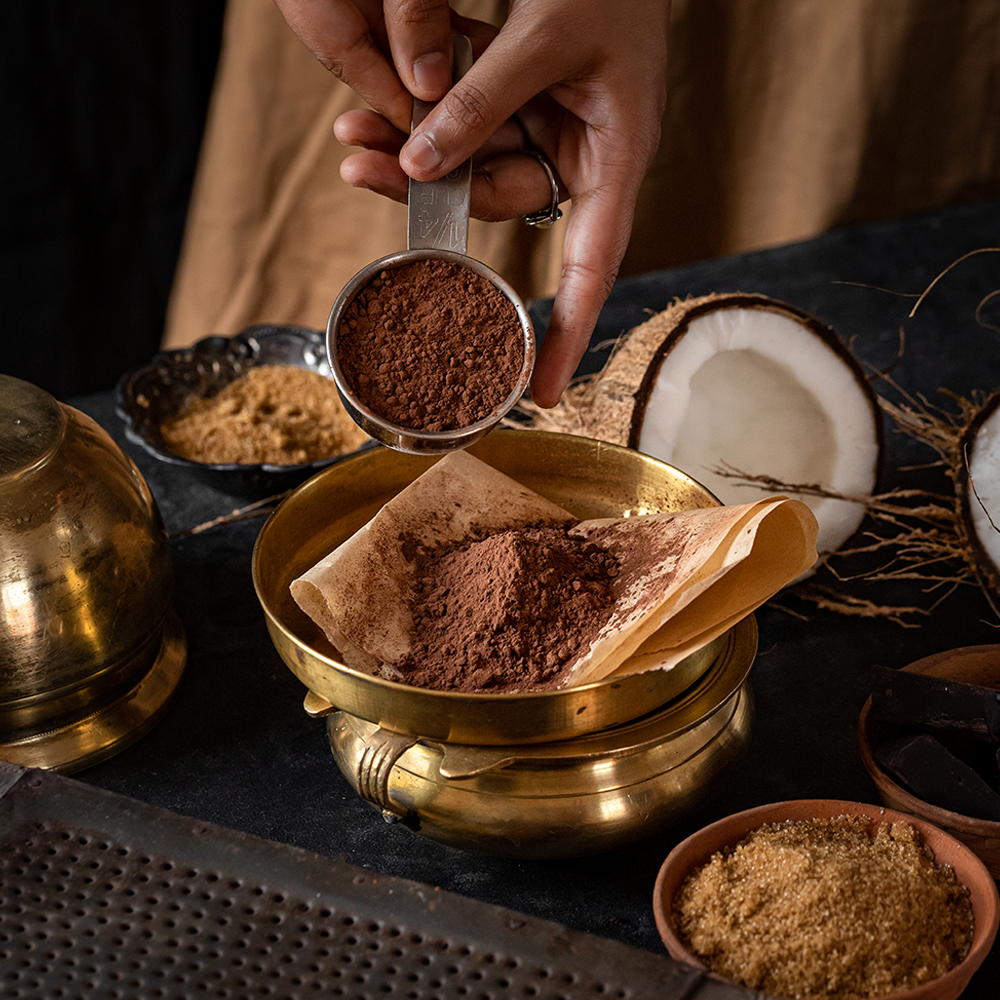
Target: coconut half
<point>977,488</point>
<point>745,394</point>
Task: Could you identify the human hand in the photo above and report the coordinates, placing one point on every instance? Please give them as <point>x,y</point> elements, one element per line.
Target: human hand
<point>587,81</point>
<point>387,51</point>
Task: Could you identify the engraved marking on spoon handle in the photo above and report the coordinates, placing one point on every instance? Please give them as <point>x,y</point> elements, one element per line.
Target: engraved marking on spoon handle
<point>438,211</point>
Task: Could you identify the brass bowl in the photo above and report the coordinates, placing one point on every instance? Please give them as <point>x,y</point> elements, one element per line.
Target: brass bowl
<point>970,665</point>
<point>589,478</point>
<point>696,850</point>
<point>569,798</point>
<point>90,651</point>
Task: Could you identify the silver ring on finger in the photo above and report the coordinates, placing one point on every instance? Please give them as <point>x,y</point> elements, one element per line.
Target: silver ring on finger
<point>552,213</point>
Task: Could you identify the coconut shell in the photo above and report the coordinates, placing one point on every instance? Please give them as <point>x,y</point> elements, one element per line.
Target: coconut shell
<point>966,499</point>
<point>616,399</point>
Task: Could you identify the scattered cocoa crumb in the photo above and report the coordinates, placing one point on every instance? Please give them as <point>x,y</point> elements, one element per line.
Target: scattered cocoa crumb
<point>508,612</point>
<point>838,909</point>
<point>275,414</point>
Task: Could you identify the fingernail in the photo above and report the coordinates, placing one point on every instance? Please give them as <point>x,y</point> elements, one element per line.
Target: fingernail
<point>432,75</point>
<point>421,153</point>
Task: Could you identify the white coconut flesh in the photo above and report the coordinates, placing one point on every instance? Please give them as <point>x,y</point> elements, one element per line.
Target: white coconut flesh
<point>760,392</point>
<point>982,502</point>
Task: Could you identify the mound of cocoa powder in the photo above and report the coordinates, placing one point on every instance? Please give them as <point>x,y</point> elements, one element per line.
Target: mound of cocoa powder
<point>507,612</point>
<point>431,345</point>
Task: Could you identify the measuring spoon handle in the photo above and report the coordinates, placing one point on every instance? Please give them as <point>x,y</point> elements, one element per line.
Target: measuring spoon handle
<point>438,211</point>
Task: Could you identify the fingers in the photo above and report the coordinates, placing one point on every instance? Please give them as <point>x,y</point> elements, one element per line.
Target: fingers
<point>377,166</point>
<point>362,127</point>
<point>505,185</point>
<point>419,33</point>
<point>376,171</point>
<point>574,315</point>
<point>339,33</point>
<point>499,83</point>
<point>508,187</point>
<point>596,239</point>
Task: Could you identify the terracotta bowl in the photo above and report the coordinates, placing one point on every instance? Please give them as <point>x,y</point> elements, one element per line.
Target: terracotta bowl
<point>700,846</point>
<point>970,665</point>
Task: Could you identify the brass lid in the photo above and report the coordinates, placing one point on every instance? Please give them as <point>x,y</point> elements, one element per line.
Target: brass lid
<point>32,424</point>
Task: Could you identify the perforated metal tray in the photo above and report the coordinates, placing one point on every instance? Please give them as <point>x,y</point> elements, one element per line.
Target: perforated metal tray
<point>108,898</point>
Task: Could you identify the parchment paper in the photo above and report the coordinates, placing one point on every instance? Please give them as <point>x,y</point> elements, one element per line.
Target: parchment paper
<point>686,576</point>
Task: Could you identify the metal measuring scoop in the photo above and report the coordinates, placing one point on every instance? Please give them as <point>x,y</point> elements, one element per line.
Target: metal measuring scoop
<point>437,227</point>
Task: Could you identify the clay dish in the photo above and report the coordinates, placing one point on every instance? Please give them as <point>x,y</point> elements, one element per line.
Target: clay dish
<point>158,390</point>
<point>970,665</point>
<point>700,846</point>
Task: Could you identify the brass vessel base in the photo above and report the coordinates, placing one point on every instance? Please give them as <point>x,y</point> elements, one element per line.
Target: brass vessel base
<point>113,726</point>
<point>572,797</point>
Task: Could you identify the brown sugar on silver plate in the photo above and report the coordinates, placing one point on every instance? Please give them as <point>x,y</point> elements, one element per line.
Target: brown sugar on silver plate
<point>277,414</point>
<point>508,612</point>
<point>431,345</point>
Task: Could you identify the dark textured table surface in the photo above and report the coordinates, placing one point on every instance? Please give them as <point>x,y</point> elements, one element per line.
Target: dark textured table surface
<point>237,749</point>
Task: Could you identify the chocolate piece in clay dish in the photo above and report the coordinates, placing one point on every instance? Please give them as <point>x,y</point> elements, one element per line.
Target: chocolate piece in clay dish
<point>469,581</point>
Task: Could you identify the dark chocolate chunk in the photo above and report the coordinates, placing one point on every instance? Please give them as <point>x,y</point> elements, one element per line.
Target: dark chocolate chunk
<point>931,772</point>
<point>926,702</point>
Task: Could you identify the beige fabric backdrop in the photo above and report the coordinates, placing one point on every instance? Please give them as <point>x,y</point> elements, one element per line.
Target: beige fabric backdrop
<point>785,118</point>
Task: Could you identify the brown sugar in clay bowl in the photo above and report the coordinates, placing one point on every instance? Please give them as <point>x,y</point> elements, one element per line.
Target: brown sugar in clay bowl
<point>723,835</point>
<point>429,350</point>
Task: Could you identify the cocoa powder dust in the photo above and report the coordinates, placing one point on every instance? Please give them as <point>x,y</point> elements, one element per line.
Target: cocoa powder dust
<point>431,346</point>
<point>508,612</point>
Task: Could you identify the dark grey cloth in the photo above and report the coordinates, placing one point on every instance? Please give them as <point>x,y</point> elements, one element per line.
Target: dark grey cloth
<point>237,749</point>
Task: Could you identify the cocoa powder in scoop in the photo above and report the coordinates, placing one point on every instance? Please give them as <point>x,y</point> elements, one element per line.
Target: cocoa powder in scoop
<point>431,345</point>
<point>505,613</point>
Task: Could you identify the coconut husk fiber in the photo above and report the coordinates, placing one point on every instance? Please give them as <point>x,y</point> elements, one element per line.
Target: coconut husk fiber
<point>683,577</point>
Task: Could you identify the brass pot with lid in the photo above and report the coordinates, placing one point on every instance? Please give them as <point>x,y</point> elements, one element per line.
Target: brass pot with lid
<point>90,649</point>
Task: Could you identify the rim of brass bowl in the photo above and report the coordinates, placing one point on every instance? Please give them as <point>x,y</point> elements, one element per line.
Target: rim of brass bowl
<point>589,478</point>
<point>973,665</point>
<point>695,850</point>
